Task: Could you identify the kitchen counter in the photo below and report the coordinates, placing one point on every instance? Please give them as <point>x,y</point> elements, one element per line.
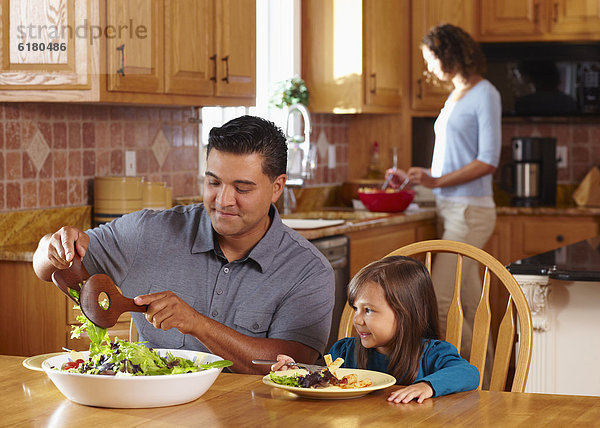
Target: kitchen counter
<point>562,289</point>
<point>358,224</point>
<point>549,211</point>
<point>575,262</point>
<point>20,231</point>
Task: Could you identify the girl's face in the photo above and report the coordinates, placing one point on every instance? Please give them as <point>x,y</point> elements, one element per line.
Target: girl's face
<point>374,319</point>
<point>434,65</point>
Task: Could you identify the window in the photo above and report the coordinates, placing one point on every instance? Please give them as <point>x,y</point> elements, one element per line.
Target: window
<point>277,59</point>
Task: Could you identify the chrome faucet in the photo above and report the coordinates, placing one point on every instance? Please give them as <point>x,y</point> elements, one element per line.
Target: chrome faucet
<point>302,157</point>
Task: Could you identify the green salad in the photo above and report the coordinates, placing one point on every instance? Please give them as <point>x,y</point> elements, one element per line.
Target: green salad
<point>123,358</point>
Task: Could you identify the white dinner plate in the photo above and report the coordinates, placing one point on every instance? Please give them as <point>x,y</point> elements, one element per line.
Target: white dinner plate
<point>380,381</point>
<point>310,223</point>
<point>35,362</point>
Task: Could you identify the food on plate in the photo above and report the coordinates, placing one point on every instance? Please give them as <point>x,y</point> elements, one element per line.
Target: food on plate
<point>322,378</point>
<point>376,190</point>
<point>123,358</point>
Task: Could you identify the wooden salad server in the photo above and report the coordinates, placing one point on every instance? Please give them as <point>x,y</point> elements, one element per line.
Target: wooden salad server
<point>71,278</point>
<point>117,303</point>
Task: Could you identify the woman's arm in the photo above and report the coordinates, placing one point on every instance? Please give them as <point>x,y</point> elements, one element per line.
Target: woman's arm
<point>467,173</point>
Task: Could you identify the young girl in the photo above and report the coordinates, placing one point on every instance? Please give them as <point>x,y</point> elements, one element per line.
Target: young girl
<point>396,317</point>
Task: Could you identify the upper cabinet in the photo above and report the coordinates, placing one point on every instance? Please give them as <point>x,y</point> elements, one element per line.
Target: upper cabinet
<point>46,45</point>
<point>135,54</point>
<point>539,20</point>
<point>354,55</point>
<point>177,52</point>
<point>199,52</point>
<point>428,95</point>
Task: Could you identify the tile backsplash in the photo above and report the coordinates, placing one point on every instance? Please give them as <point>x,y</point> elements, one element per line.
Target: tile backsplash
<point>50,152</point>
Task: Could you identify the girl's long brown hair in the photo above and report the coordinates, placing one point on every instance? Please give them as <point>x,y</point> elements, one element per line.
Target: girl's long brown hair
<point>409,291</point>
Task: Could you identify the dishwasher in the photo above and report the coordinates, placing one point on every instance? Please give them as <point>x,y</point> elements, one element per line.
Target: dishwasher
<point>336,250</point>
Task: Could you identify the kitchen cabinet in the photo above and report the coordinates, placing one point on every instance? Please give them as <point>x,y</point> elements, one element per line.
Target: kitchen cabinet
<point>426,94</point>
<point>354,55</point>
<point>170,52</point>
<point>46,53</point>
<point>135,57</point>
<point>372,244</point>
<point>196,52</point>
<point>519,236</point>
<point>35,317</point>
<point>539,20</point>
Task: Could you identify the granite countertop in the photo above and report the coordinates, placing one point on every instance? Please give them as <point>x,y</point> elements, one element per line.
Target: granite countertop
<point>549,211</point>
<point>354,225</point>
<point>20,231</point>
<point>575,262</point>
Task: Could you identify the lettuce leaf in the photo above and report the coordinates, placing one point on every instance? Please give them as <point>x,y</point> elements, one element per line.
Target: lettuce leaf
<point>286,380</point>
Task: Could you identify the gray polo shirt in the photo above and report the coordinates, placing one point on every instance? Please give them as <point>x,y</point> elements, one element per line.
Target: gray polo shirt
<point>283,289</point>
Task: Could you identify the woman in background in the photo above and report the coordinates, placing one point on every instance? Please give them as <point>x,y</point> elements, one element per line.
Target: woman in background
<point>465,155</point>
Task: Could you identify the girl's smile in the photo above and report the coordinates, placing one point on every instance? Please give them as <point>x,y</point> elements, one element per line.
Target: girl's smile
<point>374,319</point>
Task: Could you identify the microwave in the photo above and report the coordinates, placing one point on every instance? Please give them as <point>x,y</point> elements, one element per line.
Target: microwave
<point>545,78</point>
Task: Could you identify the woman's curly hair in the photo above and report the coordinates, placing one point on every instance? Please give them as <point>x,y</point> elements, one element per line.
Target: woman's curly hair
<point>456,50</point>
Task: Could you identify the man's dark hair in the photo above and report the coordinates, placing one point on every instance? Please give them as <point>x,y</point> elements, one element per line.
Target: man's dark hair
<point>251,134</point>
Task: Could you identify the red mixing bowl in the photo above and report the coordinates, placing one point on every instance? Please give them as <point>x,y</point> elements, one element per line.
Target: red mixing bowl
<point>387,202</point>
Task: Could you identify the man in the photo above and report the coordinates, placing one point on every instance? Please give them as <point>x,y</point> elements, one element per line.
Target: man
<point>226,276</point>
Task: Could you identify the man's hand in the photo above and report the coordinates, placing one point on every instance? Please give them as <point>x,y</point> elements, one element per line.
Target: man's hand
<point>420,391</point>
<point>166,310</point>
<point>63,245</point>
<point>56,251</point>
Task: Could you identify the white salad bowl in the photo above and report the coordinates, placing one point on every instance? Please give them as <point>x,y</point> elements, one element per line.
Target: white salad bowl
<point>133,391</point>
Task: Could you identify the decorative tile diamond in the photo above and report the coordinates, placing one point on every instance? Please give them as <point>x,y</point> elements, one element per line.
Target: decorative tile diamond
<point>38,149</point>
<point>160,147</point>
<point>322,144</point>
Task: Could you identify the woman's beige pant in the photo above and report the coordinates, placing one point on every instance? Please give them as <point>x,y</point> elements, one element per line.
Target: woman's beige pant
<point>472,225</point>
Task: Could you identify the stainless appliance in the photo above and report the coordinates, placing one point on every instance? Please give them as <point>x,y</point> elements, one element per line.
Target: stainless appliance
<point>545,78</point>
<point>335,249</point>
<point>532,172</point>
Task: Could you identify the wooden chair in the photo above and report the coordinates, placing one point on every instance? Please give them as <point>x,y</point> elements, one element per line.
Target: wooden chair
<point>481,326</point>
<point>133,333</point>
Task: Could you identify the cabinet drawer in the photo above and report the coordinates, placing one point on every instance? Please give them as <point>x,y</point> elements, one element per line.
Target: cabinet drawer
<point>370,245</point>
<point>540,235</point>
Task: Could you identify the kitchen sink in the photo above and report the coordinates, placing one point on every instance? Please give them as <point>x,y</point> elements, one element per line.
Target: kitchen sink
<point>337,215</point>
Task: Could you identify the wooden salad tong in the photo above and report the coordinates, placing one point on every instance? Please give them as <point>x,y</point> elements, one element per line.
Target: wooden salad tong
<point>90,290</point>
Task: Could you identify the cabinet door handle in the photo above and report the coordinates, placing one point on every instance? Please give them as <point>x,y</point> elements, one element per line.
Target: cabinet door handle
<point>374,80</point>
<point>536,13</point>
<point>214,60</point>
<point>555,14</point>
<point>420,86</point>
<point>560,238</point>
<point>121,71</point>
<point>226,78</point>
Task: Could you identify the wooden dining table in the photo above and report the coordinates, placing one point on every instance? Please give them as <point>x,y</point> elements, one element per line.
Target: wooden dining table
<point>29,398</point>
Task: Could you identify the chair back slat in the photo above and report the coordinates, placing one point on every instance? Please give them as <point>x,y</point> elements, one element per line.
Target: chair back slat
<point>346,328</point>
<point>428,261</point>
<point>454,323</point>
<point>481,327</point>
<point>517,306</point>
<point>506,337</point>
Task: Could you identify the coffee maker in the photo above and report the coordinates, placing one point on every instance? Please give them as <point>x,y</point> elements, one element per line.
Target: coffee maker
<point>532,172</point>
